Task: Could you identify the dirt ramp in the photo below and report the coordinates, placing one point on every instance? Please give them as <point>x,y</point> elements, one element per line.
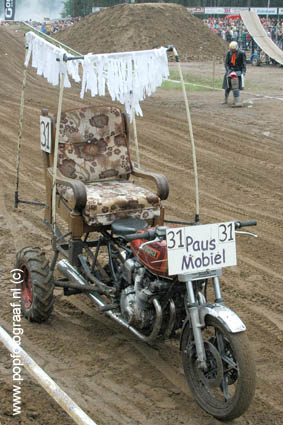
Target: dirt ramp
<point>144,26</point>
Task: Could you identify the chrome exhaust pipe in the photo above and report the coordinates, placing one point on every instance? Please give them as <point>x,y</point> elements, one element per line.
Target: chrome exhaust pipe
<point>70,272</point>
<point>172,319</point>
<point>64,267</point>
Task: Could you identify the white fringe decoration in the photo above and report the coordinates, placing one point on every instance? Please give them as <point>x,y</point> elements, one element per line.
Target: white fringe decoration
<point>128,76</point>
<point>44,59</point>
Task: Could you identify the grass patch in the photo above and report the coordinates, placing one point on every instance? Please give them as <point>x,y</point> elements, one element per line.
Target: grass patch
<point>201,83</point>
<point>192,79</point>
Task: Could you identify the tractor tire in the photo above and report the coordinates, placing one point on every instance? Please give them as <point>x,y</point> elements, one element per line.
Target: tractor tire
<point>256,61</point>
<point>36,284</point>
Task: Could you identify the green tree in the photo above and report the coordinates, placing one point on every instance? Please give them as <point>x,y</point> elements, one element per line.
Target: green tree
<point>77,8</point>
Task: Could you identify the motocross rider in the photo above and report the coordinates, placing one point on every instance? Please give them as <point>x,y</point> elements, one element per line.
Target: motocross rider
<point>235,65</point>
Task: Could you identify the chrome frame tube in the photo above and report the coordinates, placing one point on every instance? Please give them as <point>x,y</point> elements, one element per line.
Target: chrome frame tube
<point>71,273</point>
<point>157,324</point>
<point>217,290</point>
<point>193,310</point>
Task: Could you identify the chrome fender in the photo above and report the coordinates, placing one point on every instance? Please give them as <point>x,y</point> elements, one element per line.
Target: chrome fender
<point>227,317</point>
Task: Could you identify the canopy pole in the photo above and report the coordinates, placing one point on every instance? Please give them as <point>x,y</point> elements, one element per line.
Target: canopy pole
<point>135,135</point>
<point>136,141</point>
<point>213,72</point>
<point>62,81</point>
<point>20,134</point>
<point>190,131</point>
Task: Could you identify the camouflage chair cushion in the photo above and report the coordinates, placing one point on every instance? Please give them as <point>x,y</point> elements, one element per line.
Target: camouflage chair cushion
<point>113,199</point>
<point>93,144</point>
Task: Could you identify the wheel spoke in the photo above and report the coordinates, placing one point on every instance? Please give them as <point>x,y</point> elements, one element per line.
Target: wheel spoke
<point>230,362</point>
<point>224,387</point>
<point>220,342</point>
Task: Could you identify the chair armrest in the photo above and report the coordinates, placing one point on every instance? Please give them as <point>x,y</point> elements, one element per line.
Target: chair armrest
<point>77,186</point>
<point>160,181</point>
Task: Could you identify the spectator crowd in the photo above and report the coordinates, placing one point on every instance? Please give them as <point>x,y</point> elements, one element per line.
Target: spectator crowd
<point>51,27</point>
<point>47,26</point>
<point>233,29</point>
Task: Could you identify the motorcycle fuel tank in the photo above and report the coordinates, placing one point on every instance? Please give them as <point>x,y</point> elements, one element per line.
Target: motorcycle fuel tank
<point>153,256</point>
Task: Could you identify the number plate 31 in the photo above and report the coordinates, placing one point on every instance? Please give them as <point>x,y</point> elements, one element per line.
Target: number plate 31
<point>45,134</point>
<point>200,248</point>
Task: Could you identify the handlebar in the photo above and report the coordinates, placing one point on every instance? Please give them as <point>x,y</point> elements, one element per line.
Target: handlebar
<point>152,233</point>
<point>239,224</point>
<point>149,235</point>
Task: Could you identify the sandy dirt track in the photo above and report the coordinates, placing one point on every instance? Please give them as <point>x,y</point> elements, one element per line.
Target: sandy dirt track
<point>114,377</point>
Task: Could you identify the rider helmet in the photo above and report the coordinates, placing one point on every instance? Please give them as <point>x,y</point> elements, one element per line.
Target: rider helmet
<point>233,46</point>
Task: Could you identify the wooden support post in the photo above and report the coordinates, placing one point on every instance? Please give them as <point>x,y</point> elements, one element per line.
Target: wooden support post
<point>62,80</point>
<point>213,72</point>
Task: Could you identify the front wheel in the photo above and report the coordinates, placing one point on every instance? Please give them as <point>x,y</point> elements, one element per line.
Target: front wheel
<point>226,388</point>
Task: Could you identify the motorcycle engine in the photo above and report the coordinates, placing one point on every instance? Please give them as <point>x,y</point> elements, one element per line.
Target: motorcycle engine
<point>136,299</point>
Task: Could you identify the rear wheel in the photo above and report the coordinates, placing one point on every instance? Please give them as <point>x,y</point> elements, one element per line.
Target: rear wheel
<point>226,388</point>
<point>36,284</point>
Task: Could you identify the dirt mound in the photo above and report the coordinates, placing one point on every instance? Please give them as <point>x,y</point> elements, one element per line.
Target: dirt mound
<point>144,26</point>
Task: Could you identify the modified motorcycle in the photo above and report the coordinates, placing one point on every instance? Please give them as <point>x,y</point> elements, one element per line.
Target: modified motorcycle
<point>158,279</point>
<point>134,288</point>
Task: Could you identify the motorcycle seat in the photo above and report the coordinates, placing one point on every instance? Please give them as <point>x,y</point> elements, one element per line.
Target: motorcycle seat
<point>126,226</point>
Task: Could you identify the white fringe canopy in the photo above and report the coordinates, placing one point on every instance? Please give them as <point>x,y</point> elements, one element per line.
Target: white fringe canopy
<point>128,76</point>
<point>44,59</point>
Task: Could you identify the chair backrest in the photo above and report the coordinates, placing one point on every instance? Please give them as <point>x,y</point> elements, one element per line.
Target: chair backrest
<point>93,144</point>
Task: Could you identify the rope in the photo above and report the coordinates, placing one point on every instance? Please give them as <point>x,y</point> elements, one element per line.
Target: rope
<point>20,134</point>
<point>191,134</point>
